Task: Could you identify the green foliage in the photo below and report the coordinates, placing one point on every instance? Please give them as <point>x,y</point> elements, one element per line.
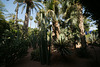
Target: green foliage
<point>1,16</point>
<point>34,38</point>
<point>62,46</point>
<point>50,6</point>
<point>35,55</point>
<point>31,18</point>
<point>93,37</point>
<point>88,40</point>
<point>86,25</point>
<point>70,36</point>
<point>12,45</point>
<point>3,26</point>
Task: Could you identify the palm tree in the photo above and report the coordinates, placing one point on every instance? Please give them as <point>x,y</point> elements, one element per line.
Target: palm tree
<point>16,10</point>
<point>52,7</point>
<point>73,14</point>
<point>17,14</point>
<point>29,4</point>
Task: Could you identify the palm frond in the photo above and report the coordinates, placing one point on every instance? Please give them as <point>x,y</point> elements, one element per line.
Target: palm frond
<point>10,15</point>
<point>32,10</point>
<point>37,6</point>
<point>35,9</point>
<point>20,1</point>
<point>56,2</point>
<point>66,13</point>
<point>18,6</point>
<point>15,2</point>
<point>31,18</point>
<point>49,5</point>
<point>23,8</point>
<point>41,5</point>
<point>37,0</point>
<point>68,20</point>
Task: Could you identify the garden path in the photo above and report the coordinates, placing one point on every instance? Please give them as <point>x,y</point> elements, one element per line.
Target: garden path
<point>59,61</point>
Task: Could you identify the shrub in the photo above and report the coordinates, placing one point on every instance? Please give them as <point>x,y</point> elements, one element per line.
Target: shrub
<point>63,47</point>
<point>35,55</point>
<point>12,48</point>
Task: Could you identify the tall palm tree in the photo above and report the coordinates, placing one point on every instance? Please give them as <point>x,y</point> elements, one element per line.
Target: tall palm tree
<point>73,12</point>
<point>52,7</point>
<point>30,5</point>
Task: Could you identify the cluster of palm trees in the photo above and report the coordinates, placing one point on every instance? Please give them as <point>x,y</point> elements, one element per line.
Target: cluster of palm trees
<point>62,12</point>
<point>59,12</point>
<point>53,16</point>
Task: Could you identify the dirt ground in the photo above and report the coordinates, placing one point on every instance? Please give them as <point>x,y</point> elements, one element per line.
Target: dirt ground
<point>59,61</point>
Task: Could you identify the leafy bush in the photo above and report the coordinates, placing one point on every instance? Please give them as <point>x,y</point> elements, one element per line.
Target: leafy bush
<point>62,47</point>
<point>12,47</point>
<point>34,38</point>
<point>35,55</point>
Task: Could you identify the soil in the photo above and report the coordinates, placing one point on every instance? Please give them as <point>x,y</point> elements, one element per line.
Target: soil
<point>58,61</point>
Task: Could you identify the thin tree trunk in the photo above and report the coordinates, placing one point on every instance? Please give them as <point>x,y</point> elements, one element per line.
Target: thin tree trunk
<point>81,26</point>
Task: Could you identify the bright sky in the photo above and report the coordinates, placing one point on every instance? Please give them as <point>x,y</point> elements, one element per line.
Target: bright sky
<point>11,9</point>
<point>94,27</point>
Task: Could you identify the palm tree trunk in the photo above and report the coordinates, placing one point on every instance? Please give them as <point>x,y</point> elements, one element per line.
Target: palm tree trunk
<point>55,25</point>
<point>55,30</point>
<point>25,28</point>
<point>81,26</point>
<point>17,14</point>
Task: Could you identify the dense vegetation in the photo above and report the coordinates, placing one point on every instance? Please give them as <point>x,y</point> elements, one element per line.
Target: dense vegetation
<point>62,25</point>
